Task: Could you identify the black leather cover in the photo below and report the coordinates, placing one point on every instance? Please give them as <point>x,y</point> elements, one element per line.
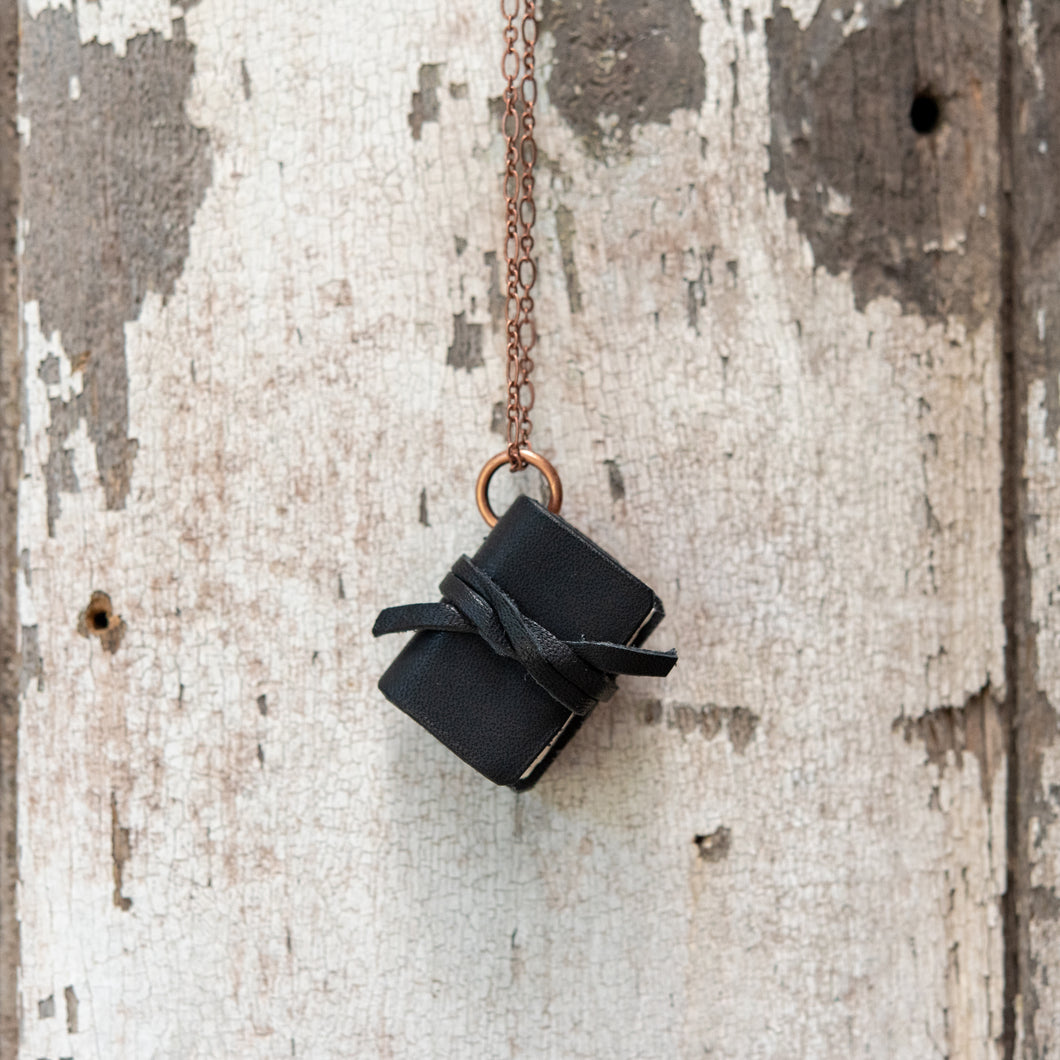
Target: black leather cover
<point>485,706</point>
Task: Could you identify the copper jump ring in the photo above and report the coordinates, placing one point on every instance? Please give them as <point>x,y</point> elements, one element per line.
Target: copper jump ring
<point>555,487</point>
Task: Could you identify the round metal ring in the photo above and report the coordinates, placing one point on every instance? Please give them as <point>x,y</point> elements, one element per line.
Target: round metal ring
<point>555,487</point>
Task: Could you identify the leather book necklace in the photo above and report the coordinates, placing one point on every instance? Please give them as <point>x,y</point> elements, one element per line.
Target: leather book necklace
<point>530,633</point>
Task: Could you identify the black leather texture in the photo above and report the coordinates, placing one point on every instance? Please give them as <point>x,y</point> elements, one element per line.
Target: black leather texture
<point>527,639</point>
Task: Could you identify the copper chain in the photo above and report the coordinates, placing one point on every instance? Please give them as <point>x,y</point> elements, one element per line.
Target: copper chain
<point>517,125</point>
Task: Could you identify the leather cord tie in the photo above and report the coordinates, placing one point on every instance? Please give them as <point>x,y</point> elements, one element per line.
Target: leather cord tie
<point>576,673</point>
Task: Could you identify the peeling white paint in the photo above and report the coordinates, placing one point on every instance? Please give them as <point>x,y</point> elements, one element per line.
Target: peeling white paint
<point>359,891</point>
<point>838,203</point>
<point>114,22</point>
<point>1027,38</point>
<point>1042,468</point>
<point>856,21</point>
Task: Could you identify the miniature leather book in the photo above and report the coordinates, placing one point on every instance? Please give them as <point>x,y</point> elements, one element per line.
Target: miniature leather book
<point>527,639</point>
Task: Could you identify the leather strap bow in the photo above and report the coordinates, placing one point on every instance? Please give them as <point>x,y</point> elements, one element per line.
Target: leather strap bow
<point>576,673</point>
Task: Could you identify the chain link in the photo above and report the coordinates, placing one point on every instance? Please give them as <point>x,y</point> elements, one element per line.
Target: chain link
<point>517,125</point>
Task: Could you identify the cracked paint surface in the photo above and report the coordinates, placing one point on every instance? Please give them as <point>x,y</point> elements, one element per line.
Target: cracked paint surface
<point>1036,249</point>
<point>905,215</point>
<point>112,180</point>
<point>811,486</point>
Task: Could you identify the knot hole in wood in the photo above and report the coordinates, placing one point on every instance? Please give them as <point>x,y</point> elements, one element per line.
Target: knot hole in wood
<point>99,620</point>
<point>925,114</point>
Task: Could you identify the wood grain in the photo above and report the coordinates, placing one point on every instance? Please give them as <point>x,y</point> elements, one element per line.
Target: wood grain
<point>232,846</point>
<point>10,418</point>
<point>1035,239</point>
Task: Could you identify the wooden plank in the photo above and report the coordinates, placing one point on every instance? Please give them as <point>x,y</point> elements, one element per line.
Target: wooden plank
<point>254,411</point>
<point>1035,508</point>
<point>10,416</point>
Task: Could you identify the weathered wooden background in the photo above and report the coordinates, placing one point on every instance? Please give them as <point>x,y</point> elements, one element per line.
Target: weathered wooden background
<point>799,367</point>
